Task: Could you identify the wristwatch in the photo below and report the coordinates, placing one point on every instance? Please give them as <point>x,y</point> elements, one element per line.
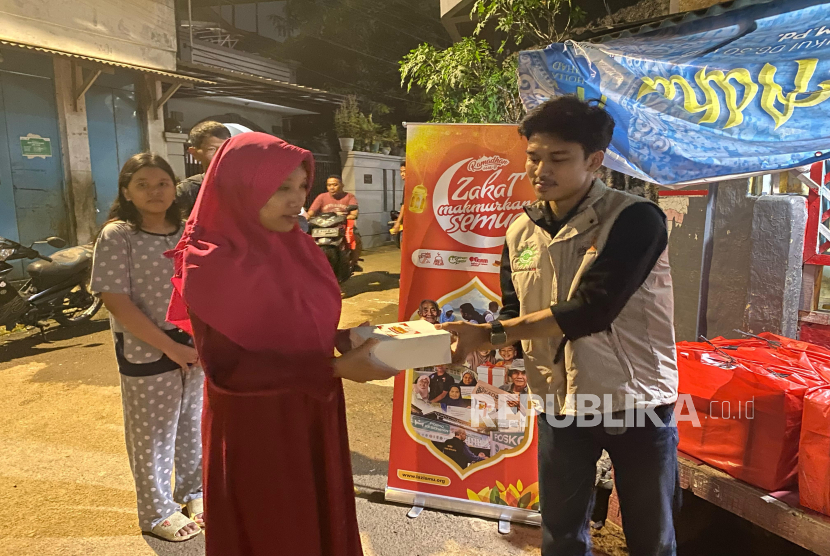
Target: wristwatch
<point>498,336</point>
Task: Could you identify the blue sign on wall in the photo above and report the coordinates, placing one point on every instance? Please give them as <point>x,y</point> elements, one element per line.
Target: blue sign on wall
<point>745,91</point>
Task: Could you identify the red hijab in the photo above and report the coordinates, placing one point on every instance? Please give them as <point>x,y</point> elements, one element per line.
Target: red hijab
<point>264,290</point>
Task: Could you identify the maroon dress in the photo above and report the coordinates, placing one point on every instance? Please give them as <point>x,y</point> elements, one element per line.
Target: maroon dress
<point>277,469</point>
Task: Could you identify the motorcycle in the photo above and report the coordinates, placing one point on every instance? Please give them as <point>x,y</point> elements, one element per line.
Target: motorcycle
<point>397,238</point>
<point>329,231</point>
<point>57,288</point>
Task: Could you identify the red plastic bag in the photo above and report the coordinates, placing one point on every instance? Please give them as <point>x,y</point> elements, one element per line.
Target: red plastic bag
<point>814,456</point>
<point>750,416</point>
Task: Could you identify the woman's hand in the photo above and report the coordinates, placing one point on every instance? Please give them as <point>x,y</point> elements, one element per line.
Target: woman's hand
<point>183,355</point>
<point>358,366</point>
<point>343,339</point>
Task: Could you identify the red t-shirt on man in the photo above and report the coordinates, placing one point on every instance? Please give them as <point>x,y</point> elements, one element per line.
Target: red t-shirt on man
<point>326,202</point>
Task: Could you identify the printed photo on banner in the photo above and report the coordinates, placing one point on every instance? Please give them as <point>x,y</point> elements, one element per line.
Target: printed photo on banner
<point>453,405</point>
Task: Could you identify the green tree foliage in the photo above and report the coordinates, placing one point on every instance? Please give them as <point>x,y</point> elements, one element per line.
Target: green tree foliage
<point>467,82</point>
<point>471,81</point>
<point>541,21</point>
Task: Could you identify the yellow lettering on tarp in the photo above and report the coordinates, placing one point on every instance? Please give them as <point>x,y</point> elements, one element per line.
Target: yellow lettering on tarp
<point>426,478</point>
<point>774,93</point>
<point>736,103</point>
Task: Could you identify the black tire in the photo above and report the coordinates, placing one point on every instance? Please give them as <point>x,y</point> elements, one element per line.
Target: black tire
<point>79,306</point>
<point>333,255</point>
<point>345,270</point>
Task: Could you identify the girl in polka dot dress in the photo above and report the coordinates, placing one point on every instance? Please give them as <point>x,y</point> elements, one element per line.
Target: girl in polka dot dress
<point>161,379</point>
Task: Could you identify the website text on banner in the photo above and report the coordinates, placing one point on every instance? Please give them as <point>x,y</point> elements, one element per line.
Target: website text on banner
<point>742,92</point>
<point>465,185</point>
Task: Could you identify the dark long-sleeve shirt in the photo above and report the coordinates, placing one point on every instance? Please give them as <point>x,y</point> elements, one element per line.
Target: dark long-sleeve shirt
<point>635,242</point>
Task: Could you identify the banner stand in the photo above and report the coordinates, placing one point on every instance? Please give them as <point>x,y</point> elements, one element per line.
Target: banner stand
<point>466,183</point>
<point>458,505</point>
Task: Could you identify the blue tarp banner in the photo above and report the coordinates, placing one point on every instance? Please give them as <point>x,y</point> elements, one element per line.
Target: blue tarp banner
<point>743,92</point>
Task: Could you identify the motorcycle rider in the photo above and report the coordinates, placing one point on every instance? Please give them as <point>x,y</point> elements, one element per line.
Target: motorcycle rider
<point>337,201</point>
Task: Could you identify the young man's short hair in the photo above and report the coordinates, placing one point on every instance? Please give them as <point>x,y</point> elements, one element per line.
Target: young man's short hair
<point>571,120</point>
<point>203,131</point>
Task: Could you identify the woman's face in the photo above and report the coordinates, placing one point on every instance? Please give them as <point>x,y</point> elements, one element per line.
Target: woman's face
<point>423,381</point>
<point>467,379</point>
<point>455,393</point>
<point>280,213</point>
<point>151,190</point>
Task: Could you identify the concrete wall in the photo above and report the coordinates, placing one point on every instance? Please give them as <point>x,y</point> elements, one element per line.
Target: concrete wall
<point>775,282</point>
<point>730,270</point>
<point>686,218</point>
<point>139,32</point>
<point>753,279</point>
<point>377,198</point>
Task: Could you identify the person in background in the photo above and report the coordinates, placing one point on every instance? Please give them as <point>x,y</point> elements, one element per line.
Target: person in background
<point>469,378</point>
<point>439,384</point>
<point>336,200</point>
<point>399,222</point>
<point>428,311</point>
<point>242,260</point>
<point>481,357</point>
<point>161,380</point>
<point>516,385</point>
<point>457,450</point>
<point>508,355</point>
<point>447,314</point>
<point>454,398</point>
<point>469,314</point>
<point>205,140</point>
<point>493,312</point>
<point>422,388</point>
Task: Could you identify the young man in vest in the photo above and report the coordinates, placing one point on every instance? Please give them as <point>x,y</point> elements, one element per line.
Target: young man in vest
<point>586,287</point>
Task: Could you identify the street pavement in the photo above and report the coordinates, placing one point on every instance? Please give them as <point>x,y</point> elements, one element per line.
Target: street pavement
<point>65,483</point>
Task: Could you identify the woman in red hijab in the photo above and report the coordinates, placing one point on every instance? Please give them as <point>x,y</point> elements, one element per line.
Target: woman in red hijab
<point>265,305</point>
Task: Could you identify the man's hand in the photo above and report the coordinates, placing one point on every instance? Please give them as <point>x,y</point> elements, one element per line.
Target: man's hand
<point>395,229</point>
<point>471,337</point>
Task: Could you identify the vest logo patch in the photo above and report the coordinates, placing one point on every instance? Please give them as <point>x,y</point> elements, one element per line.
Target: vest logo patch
<point>526,258</point>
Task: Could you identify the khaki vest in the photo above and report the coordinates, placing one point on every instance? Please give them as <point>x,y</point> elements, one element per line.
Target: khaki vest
<point>634,363</point>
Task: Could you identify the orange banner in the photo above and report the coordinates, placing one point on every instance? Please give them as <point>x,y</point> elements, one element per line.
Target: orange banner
<point>466,183</point>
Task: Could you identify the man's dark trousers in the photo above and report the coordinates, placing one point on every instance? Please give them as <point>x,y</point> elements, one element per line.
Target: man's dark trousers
<point>646,476</point>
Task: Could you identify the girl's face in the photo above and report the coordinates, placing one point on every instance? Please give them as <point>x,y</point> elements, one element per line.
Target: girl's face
<point>423,381</point>
<point>484,353</point>
<point>281,212</point>
<point>467,379</point>
<point>455,393</point>
<point>151,190</point>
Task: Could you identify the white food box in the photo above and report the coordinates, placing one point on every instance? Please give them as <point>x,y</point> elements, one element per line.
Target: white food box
<point>406,345</point>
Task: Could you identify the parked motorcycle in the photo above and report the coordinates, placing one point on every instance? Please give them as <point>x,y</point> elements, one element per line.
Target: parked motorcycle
<point>397,238</point>
<point>329,231</point>
<point>57,288</point>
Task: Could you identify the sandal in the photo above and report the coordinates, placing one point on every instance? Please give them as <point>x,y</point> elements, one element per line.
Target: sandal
<point>168,528</point>
<point>194,508</point>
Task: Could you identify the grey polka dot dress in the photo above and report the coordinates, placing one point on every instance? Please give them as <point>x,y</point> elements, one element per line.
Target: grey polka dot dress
<point>162,410</point>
